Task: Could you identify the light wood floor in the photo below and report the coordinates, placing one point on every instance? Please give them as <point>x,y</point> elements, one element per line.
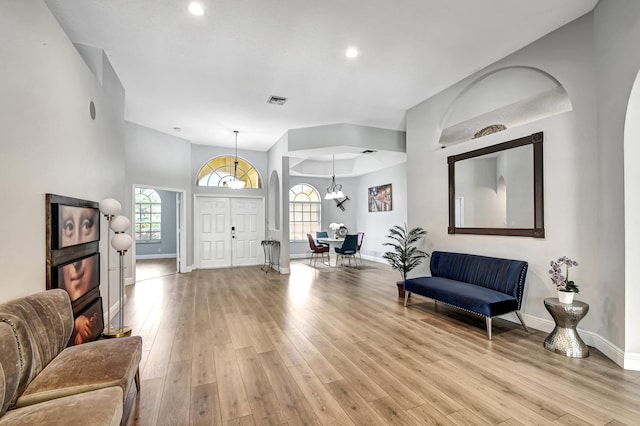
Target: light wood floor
<point>336,346</point>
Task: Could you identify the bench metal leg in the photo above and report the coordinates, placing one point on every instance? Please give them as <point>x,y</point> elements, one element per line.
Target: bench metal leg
<point>406,297</point>
<point>488,320</point>
<point>522,321</point>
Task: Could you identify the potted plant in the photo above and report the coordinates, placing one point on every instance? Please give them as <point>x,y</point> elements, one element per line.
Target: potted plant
<point>405,255</point>
<point>566,288</point>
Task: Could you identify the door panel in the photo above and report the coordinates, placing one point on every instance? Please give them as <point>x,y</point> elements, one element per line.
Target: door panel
<point>213,248</point>
<point>248,218</point>
<point>217,246</point>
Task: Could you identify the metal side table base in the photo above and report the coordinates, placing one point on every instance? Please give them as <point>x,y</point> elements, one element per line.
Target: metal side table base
<point>564,338</point>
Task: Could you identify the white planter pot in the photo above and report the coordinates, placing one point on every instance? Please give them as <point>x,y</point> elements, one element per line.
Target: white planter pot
<point>566,297</point>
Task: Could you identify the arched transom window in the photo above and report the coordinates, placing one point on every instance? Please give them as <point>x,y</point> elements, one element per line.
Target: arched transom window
<point>148,214</point>
<point>304,211</point>
<point>218,171</point>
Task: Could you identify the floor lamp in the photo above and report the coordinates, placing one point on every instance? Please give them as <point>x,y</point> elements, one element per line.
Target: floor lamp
<point>121,242</point>
<point>109,208</point>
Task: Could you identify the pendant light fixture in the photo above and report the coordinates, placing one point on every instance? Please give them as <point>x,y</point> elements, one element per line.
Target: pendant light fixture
<point>236,183</point>
<point>334,191</point>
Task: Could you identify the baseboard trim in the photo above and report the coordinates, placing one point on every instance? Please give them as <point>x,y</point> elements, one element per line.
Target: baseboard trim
<point>156,256</point>
<point>129,281</point>
<point>632,361</point>
<point>300,256</point>
<point>374,259</point>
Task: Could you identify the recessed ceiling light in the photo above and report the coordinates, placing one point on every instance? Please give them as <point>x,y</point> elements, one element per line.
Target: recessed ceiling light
<point>196,8</point>
<point>351,52</point>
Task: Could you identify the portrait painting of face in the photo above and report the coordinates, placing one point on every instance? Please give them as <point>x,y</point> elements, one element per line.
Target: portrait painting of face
<point>77,225</point>
<point>80,276</point>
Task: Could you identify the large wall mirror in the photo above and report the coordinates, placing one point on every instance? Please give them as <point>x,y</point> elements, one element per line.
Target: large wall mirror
<point>498,190</point>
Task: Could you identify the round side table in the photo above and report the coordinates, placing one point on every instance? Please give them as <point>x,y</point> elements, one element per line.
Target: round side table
<point>564,338</point>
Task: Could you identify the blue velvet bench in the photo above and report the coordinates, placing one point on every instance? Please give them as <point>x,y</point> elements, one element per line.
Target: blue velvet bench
<point>485,286</point>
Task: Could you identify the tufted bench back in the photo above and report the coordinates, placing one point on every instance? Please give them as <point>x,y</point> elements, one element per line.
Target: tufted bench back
<point>503,275</point>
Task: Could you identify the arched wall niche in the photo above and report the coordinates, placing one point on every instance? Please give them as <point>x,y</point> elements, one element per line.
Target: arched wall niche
<point>274,201</point>
<point>502,99</point>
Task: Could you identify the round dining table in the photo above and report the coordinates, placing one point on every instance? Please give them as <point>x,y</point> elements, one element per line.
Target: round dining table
<point>332,242</point>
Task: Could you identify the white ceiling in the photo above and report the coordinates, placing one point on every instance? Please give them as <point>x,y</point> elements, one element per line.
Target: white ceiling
<point>212,74</point>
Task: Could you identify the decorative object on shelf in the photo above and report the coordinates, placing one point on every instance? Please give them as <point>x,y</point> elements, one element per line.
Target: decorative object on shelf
<point>494,128</point>
<point>566,288</point>
<point>236,183</point>
<point>121,242</point>
<point>334,190</point>
<point>335,227</point>
<point>109,207</point>
<point>405,255</point>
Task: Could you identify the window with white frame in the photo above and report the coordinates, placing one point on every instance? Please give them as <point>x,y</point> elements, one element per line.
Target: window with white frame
<point>148,210</point>
<point>304,211</point>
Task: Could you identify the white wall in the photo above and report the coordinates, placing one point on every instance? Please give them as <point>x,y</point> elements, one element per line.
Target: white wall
<point>617,36</point>
<point>573,181</point>
<point>376,225</point>
<point>278,162</point>
<point>158,160</point>
<point>49,142</point>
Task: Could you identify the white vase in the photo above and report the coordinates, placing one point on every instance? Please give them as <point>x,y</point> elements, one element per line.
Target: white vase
<point>565,297</point>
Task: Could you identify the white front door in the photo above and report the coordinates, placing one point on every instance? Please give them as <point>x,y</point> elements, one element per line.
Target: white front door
<point>247,231</point>
<point>228,232</point>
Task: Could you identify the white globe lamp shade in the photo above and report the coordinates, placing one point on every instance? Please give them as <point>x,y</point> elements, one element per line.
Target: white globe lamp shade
<point>121,242</point>
<point>120,224</point>
<point>110,207</point>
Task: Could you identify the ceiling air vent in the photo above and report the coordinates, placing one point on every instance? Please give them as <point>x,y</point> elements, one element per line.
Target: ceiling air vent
<point>369,151</point>
<point>277,100</point>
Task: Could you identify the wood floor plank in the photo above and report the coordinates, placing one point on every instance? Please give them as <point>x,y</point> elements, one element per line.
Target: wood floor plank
<point>392,413</point>
<point>203,367</point>
<point>402,394</point>
<point>264,404</point>
<point>319,364</point>
<point>361,382</point>
<point>293,402</point>
<point>233,398</point>
<point>205,407</point>
<point>356,407</point>
<point>281,343</point>
<point>176,395</point>
<point>321,400</point>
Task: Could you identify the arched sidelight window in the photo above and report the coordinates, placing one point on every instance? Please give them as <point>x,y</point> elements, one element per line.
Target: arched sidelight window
<point>148,214</point>
<point>218,171</point>
<point>304,211</point>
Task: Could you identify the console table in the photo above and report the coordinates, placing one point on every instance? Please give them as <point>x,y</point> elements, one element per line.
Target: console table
<point>271,254</point>
<point>564,338</point>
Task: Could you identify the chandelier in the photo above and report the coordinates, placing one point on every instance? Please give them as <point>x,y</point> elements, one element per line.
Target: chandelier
<point>334,190</point>
<point>236,183</point>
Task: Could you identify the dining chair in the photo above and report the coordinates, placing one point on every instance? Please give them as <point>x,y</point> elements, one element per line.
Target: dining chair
<point>317,250</point>
<point>360,238</point>
<point>321,234</point>
<point>348,249</point>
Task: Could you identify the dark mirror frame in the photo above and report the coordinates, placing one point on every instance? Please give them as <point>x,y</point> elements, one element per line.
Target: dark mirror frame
<point>538,188</point>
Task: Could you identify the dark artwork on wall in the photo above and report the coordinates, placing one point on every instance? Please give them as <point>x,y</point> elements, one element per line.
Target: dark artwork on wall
<point>379,198</point>
<point>73,259</point>
<point>88,324</point>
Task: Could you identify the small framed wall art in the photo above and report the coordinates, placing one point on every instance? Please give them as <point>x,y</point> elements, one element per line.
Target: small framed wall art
<point>380,198</point>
